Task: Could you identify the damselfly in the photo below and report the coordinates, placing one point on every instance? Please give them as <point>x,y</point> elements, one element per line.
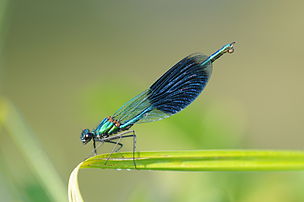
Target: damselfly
<point>171,93</point>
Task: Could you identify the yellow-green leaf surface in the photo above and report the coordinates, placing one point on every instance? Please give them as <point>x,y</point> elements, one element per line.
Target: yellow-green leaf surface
<point>209,160</point>
<point>203,160</point>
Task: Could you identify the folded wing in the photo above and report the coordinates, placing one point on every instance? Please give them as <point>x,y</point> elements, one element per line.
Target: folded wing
<point>171,93</point>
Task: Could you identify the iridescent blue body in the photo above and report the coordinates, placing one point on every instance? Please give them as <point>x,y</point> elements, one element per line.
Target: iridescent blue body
<point>171,93</point>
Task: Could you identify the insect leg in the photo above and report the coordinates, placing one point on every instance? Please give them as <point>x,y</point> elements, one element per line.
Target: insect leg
<point>117,143</point>
<point>122,135</point>
<point>114,150</point>
<point>94,145</point>
<point>114,137</point>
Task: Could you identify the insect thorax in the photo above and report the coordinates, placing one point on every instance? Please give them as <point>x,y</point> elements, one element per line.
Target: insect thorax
<point>110,126</point>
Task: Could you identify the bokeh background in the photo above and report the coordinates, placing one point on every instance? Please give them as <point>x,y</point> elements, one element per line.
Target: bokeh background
<point>65,65</point>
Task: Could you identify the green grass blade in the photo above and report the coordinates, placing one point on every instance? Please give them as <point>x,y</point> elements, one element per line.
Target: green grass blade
<point>208,160</point>
<point>201,160</point>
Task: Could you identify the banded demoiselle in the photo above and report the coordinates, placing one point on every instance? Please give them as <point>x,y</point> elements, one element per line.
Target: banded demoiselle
<point>171,93</point>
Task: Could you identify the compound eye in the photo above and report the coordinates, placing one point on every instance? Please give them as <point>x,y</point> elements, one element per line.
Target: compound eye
<point>86,136</point>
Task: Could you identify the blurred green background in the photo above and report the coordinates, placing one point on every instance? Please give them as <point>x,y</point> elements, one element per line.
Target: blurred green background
<point>65,65</point>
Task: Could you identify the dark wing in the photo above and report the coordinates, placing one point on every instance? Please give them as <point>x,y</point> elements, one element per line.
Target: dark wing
<point>181,84</point>
<point>171,93</point>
